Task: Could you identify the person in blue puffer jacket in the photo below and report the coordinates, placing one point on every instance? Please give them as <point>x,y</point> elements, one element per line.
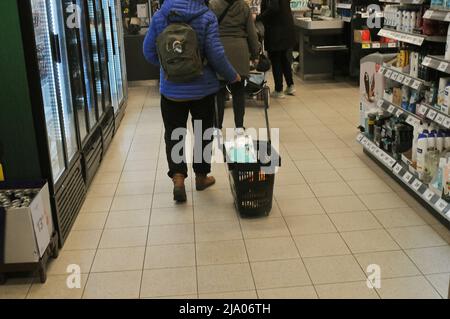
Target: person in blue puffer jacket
<point>196,97</point>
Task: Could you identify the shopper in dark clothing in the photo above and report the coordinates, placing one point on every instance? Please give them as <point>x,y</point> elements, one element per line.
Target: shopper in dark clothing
<point>196,97</point>
<point>238,34</point>
<point>279,41</point>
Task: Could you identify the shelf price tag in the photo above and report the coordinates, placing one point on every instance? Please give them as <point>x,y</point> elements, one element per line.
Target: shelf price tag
<point>397,169</point>
<point>391,162</point>
<point>441,205</point>
<point>400,78</point>
<point>416,185</point>
<point>407,80</point>
<point>408,177</point>
<point>381,70</point>
<point>416,85</point>
<point>447,17</point>
<point>439,118</point>
<point>426,61</point>
<point>392,45</point>
<point>391,108</point>
<point>359,137</point>
<point>398,113</point>
<point>427,14</point>
<point>446,122</point>
<point>376,45</point>
<point>431,114</point>
<point>388,73</point>
<point>411,120</point>
<point>422,110</point>
<point>428,195</point>
<point>443,66</point>
<point>380,103</point>
<point>394,76</point>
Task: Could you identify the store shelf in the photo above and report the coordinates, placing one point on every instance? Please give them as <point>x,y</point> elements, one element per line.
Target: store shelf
<point>397,111</point>
<point>401,171</point>
<point>411,38</point>
<point>424,113</point>
<point>439,15</point>
<point>437,63</point>
<point>377,45</point>
<point>402,78</point>
<point>346,6</point>
<point>346,19</point>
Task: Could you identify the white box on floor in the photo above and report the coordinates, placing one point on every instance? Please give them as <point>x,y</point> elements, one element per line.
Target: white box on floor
<point>28,230</point>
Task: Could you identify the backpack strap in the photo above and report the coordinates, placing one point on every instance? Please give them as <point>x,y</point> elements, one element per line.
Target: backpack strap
<point>224,13</point>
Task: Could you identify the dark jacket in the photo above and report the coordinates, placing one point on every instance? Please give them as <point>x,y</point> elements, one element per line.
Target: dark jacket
<point>209,42</point>
<point>238,33</point>
<point>279,23</point>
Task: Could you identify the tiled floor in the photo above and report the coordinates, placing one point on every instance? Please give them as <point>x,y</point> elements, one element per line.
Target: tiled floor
<point>335,213</point>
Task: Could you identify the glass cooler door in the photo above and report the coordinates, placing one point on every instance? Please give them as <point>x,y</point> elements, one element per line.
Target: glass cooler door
<point>50,93</point>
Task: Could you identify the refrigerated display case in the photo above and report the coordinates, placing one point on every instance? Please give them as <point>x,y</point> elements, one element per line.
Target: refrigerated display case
<point>56,118</point>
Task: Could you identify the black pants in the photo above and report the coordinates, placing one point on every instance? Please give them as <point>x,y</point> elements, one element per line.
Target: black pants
<point>175,116</point>
<point>281,65</point>
<point>238,92</point>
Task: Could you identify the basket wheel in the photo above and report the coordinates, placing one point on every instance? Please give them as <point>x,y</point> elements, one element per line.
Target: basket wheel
<point>42,273</point>
<point>2,279</point>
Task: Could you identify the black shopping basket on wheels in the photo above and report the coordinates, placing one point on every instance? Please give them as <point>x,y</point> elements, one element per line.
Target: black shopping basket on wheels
<point>252,184</point>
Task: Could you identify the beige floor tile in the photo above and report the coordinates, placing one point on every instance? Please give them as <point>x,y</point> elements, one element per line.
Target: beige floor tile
<point>322,176</point>
<point>416,237</point>
<point>442,231</point>
<point>307,225</point>
<point>169,282</point>
<point>165,200</point>
<point>128,219</point>
<point>354,221</point>
<point>82,258</point>
<point>217,231</point>
<point>355,174</point>
<point>172,216</point>
<point>398,217</point>
<point>83,239</point>
<point>369,186</point>
<point>119,259</point>
<point>369,241</point>
<point>204,214</point>
<point>185,297</point>
<point>97,204</point>
<point>134,202</point>
<point>92,221</point>
<point>331,189</point>
<point>103,190</point>
<point>250,294</point>
<point>431,260</point>
<point>286,178</point>
<point>170,256</point>
<point>213,197</point>
<point>296,207</point>
<point>171,234</point>
<point>348,290</point>
<point>113,285</point>
<point>321,245</point>
<point>293,192</point>
<point>265,249</point>
<point>264,228</point>
<point>225,278</point>
<point>383,201</point>
<point>280,274</point>
<point>313,165</point>
<point>138,176</point>
<point>221,252</point>
<point>140,165</point>
<point>301,155</point>
<point>342,204</point>
<point>350,162</point>
<point>107,178</point>
<point>56,288</point>
<point>441,282</point>
<point>332,154</point>
<point>133,189</point>
<point>393,263</point>
<point>306,292</point>
<point>123,237</point>
<point>334,269</point>
<point>407,288</point>
<point>15,288</point>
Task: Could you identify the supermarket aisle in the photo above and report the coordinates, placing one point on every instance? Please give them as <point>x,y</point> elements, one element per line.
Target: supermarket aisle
<point>335,214</point>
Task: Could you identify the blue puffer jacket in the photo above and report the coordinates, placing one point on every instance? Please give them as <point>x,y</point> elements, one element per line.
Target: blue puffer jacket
<point>207,30</point>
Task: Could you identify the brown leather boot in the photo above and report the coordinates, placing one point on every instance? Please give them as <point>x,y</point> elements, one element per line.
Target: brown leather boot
<point>203,181</point>
<point>179,189</point>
